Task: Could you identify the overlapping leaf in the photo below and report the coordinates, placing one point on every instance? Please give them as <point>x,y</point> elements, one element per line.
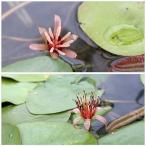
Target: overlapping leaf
<point>19,114</point>
<point>15,92</point>
<point>38,64</point>
<point>130,135</point>
<point>10,135</point>
<point>56,95</point>
<point>27,77</point>
<point>53,133</point>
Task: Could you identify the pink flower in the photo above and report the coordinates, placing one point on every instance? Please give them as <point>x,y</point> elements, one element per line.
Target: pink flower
<point>87,109</point>
<point>54,43</point>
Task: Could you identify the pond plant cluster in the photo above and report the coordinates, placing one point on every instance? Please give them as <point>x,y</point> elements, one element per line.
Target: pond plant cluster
<point>41,109</point>
<point>58,109</point>
<point>122,34</point>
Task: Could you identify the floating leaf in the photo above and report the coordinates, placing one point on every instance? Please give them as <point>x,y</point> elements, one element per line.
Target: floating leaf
<point>122,33</point>
<point>13,115</point>
<point>44,133</point>
<point>130,135</point>
<point>10,135</point>
<point>27,77</point>
<point>128,64</point>
<point>56,95</point>
<point>38,64</point>
<point>15,92</point>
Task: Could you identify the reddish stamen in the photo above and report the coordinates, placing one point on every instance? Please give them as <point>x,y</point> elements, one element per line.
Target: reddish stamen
<point>87,107</point>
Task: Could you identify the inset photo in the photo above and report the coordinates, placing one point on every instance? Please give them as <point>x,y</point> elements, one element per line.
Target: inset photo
<point>71,109</point>
<point>73,36</point>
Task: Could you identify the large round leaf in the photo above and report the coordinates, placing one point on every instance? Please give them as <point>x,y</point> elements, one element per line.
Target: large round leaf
<point>130,135</point>
<point>15,92</point>
<point>56,95</point>
<point>10,135</point>
<point>38,64</point>
<point>53,133</point>
<point>117,27</point>
<point>13,115</point>
<point>27,77</point>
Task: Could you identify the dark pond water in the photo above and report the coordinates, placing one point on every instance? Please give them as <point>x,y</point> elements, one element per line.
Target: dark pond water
<point>127,93</point>
<point>24,22</point>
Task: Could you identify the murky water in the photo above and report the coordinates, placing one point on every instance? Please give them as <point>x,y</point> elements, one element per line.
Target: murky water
<point>19,29</point>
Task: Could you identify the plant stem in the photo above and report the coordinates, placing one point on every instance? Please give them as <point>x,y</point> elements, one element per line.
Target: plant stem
<point>124,120</point>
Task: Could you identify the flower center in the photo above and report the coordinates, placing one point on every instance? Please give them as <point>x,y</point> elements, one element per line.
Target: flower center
<point>55,44</point>
<point>87,107</point>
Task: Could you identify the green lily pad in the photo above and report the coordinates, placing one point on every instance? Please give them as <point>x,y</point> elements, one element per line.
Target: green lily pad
<point>10,135</point>
<point>15,92</point>
<point>27,77</point>
<point>56,95</point>
<point>38,64</point>
<point>117,27</point>
<point>54,133</point>
<point>142,78</point>
<point>13,115</point>
<point>132,134</point>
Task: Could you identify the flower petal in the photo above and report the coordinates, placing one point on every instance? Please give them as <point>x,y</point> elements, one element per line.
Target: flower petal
<point>57,26</point>
<point>87,124</point>
<point>65,36</point>
<point>48,37</point>
<point>42,32</point>
<point>70,53</point>
<point>71,37</point>
<point>60,52</point>
<point>101,119</point>
<point>65,45</point>
<point>98,108</point>
<point>38,47</point>
<point>51,33</point>
<point>76,110</point>
<point>69,42</point>
<point>51,50</point>
<point>76,121</point>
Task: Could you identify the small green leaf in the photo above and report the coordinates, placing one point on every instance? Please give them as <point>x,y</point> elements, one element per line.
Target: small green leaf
<point>15,92</point>
<point>10,135</point>
<point>142,78</point>
<point>38,64</point>
<point>27,77</point>
<point>44,133</point>
<point>13,115</point>
<point>132,134</point>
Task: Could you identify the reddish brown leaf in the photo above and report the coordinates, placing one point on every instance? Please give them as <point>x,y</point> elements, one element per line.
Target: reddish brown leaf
<point>128,64</point>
